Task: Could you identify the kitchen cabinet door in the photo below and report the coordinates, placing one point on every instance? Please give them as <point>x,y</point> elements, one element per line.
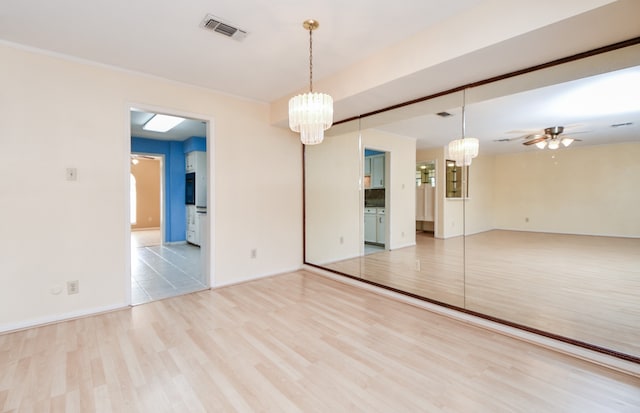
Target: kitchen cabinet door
<point>380,228</point>
<point>377,171</point>
<point>370,228</point>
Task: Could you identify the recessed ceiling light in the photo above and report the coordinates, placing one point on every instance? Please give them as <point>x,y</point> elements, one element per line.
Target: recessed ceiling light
<point>162,123</point>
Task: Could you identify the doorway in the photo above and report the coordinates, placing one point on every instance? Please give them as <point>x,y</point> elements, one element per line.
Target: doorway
<point>165,261</point>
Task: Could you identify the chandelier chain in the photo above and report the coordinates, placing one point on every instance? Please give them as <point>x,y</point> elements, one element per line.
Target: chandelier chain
<point>310,60</point>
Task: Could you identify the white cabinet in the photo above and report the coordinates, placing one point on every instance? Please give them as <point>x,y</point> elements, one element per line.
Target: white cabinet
<point>374,225</point>
<point>380,226</point>
<point>377,171</point>
<point>370,227</point>
<point>196,162</point>
<point>374,166</point>
<point>367,166</point>
<point>193,225</point>
<point>190,162</point>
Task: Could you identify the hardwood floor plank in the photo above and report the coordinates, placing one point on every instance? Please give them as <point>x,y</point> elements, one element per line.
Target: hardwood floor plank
<point>582,287</point>
<point>297,342</point>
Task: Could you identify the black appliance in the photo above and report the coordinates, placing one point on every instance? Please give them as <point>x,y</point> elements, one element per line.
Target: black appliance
<point>190,189</point>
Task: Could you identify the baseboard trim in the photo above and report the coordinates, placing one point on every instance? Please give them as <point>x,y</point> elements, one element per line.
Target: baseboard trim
<point>614,363</point>
<point>254,278</point>
<point>397,247</point>
<point>57,318</point>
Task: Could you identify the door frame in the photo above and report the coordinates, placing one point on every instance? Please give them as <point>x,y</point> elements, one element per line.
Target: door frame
<point>207,253</point>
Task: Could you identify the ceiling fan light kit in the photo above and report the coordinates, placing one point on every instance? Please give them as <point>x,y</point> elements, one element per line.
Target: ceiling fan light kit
<point>551,139</point>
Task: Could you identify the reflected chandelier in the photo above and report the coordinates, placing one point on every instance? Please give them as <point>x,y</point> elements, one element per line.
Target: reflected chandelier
<point>311,113</point>
<point>463,150</point>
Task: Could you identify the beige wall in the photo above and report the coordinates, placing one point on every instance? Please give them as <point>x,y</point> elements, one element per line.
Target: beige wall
<point>584,190</point>
<point>147,173</point>
<point>57,113</point>
<point>333,199</point>
<point>478,207</point>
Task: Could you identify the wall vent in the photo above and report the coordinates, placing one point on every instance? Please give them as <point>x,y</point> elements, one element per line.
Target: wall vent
<point>216,24</point>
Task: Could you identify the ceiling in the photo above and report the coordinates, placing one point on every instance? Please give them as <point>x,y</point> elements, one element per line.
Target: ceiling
<point>164,39</point>
<point>600,109</point>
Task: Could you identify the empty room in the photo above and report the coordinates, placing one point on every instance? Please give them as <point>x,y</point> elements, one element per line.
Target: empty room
<point>424,206</point>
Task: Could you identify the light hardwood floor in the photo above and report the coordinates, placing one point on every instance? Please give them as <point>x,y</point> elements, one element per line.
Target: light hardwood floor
<point>582,287</point>
<point>297,342</point>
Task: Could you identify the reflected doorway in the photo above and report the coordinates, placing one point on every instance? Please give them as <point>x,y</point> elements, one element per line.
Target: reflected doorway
<point>426,198</point>
<point>375,201</point>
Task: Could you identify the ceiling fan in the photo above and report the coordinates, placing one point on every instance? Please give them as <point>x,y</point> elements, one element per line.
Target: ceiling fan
<point>551,138</point>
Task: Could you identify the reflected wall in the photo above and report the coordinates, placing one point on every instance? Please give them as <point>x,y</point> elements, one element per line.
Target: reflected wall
<point>547,239</point>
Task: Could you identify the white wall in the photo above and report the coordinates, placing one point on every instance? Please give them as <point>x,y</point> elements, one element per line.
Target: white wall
<point>57,113</point>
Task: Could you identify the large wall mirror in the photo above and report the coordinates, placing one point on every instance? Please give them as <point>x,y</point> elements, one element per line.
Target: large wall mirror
<point>546,231</point>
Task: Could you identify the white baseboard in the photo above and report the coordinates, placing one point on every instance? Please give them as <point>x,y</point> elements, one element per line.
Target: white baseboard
<point>37,322</point>
<point>397,247</point>
<point>254,277</point>
<point>615,363</point>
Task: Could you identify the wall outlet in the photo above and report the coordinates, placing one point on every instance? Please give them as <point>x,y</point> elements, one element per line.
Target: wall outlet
<point>254,253</point>
<point>341,240</point>
<point>526,219</point>
<point>73,287</point>
<point>72,174</point>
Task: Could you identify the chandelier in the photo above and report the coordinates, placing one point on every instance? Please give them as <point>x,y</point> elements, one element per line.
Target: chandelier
<point>462,151</point>
<point>311,113</point>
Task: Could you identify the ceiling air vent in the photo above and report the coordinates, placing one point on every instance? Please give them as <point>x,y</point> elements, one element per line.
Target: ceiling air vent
<point>215,24</point>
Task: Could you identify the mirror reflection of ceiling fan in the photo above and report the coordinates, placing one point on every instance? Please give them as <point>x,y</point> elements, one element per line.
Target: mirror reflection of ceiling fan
<point>549,139</point>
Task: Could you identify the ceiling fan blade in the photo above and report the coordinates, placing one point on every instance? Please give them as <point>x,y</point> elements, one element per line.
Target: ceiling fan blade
<point>509,139</point>
<point>535,140</point>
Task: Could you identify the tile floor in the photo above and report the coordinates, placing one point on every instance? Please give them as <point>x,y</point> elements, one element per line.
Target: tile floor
<point>372,249</point>
<point>160,271</point>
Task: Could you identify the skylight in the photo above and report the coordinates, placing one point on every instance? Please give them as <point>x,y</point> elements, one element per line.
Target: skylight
<point>162,123</point>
